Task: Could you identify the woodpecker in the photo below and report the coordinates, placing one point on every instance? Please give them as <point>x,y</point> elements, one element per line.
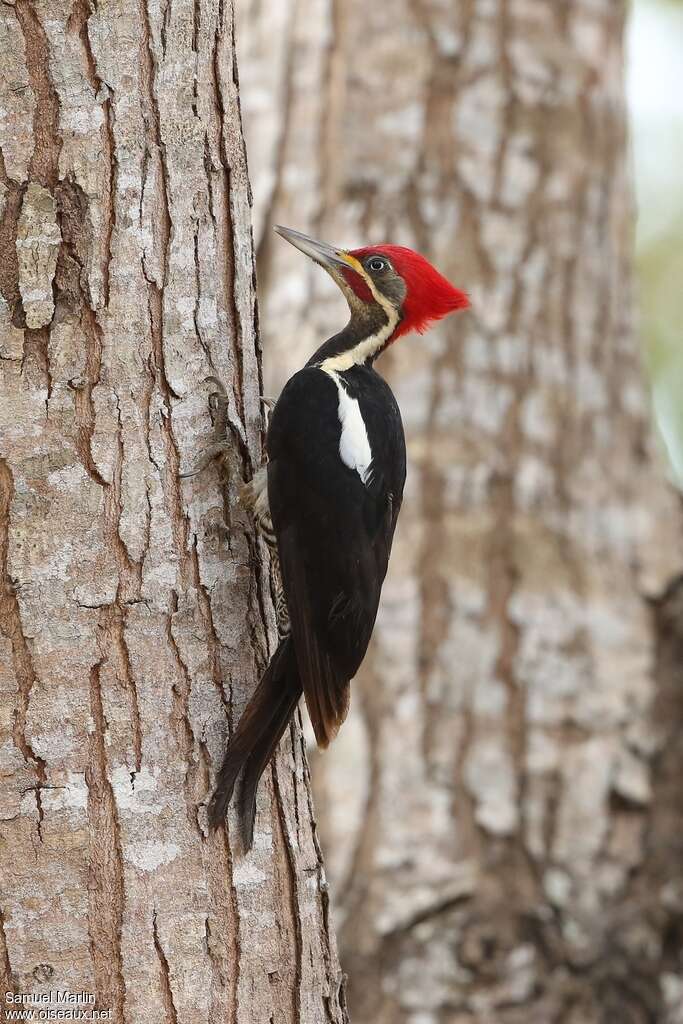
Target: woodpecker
<point>328,499</point>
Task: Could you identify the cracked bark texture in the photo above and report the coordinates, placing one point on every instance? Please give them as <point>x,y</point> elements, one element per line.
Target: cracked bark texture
<point>500,813</point>
<point>133,623</point>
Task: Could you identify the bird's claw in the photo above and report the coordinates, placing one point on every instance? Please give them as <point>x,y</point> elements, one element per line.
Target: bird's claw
<point>218,399</point>
<point>220,531</point>
<point>208,455</point>
<point>218,403</point>
<point>220,386</point>
<point>218,406</point>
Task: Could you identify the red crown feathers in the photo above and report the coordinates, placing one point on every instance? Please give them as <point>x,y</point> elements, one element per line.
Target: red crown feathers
<point>429,296</point>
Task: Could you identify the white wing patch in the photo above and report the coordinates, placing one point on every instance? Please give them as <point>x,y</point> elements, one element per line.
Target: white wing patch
<point>354,446</point>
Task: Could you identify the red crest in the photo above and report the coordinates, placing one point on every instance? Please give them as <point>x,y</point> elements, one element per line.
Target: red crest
<point>429,296</point>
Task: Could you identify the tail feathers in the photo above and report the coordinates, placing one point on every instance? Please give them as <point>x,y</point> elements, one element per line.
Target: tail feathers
<point>256,737</point>
<point>258,761</point>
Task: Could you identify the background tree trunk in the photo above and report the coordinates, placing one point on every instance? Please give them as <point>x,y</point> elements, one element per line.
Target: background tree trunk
<point>501,813</point>
<point>131,629</point>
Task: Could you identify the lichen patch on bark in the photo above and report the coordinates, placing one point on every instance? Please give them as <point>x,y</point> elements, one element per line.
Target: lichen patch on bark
<point>38,242</point>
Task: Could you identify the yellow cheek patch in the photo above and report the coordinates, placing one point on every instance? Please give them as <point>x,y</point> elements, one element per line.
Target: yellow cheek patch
<point>354,264</point>
<point>359,269</point>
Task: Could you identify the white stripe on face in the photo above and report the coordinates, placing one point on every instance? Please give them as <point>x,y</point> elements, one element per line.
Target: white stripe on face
<point>368,346</point>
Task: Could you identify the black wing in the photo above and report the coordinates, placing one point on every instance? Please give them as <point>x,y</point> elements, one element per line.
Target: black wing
<point>334,532</point>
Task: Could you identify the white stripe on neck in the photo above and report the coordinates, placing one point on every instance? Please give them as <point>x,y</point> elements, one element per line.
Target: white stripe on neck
<point>354,444</point>
<point>366,348</point>
<point>371,345</point>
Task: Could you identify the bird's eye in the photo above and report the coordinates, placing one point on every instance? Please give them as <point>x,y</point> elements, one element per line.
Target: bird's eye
<point>376,264</point>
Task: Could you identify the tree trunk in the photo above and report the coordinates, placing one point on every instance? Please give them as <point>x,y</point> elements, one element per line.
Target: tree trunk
<point>500,812</point>
<point>135,609</point>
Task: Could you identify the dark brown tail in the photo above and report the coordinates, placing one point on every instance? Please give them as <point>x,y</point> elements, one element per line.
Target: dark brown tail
<point>254,741</point>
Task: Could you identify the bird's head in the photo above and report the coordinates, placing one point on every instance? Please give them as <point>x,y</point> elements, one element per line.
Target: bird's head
<point>385,283</point>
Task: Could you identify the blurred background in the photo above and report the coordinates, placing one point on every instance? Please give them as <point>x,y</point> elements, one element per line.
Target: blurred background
<point>655,95</point>
<point>501,815</point>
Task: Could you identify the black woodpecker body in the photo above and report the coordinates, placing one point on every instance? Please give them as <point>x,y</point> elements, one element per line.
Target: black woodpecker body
<point>333,489</point>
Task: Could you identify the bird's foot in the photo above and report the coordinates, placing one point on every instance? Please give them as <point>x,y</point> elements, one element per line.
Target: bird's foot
<point>211,452</point>
<point>219,401</point>
<point>219,407</point>
<point>219,530</point>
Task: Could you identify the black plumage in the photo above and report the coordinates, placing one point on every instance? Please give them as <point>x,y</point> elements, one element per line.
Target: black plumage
<point>334,531</point>
<point>335,477</point>
<point>334,535</point>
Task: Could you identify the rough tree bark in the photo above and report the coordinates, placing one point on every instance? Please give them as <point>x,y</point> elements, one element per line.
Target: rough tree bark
<point>133,625</point>
<point>500,813</point>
